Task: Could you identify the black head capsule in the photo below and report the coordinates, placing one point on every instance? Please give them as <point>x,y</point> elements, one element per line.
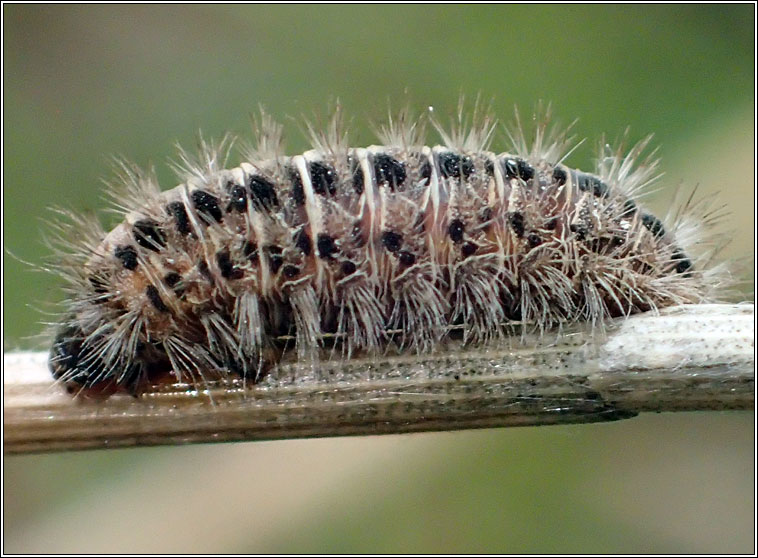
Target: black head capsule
<point>64,356</point>
<point>76,363</point>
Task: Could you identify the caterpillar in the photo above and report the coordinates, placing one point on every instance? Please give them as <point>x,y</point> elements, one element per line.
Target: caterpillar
<point>397,246</point>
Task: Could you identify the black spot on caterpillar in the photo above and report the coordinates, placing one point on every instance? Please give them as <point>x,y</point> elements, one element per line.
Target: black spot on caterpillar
<point>395,246</point>
<point>128,257</point>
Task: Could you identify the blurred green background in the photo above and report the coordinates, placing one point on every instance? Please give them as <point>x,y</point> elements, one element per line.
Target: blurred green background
<point>83,83</point>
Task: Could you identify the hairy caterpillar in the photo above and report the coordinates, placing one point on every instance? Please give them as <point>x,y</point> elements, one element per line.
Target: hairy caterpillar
<point>362,249</point>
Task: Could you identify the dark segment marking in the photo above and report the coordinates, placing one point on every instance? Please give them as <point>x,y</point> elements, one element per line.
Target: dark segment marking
<point>274,255</point>
<point>419,225</point>
<point>406,258</point>
<point>510,166</point>
<point>128,257</point>
<point>425,172</point>
<point>600,189</point>
<point>250,250</point>
<point>452,165</point>
<point>467,166</point>
<point>323,178</point>
<point>580,230</point>
<point>326,246</point>
<point>348,267</point>
<point>489,167</point>
<point>202,267</point>
<point>469,249</point>
<point>560,176</point>
<point>525,170</point>
<point>225,265</point>
<point>298,194</point>
<point>607,244</point>
<point>653,224</point>
<point>172,279</point>
<point>550,224</point>
<point>290,271</point>
<point>237,199</point>
<point>148,234</point>
<point>518,168</point>
<point>455,229</point>
<point>683,263</point>
<point>155,299</point>
<point>592,184</point>
<point>64,356</point>
<point>629,208</point>
<point>76,362</point>
<point>179,213</point>
<point>388,170</point>
<point>357,234</point>
<point>392,241</point>
<point>207,204</point>
<point>357,173</point>
<point>262,193</point>
<point>99,284</point>
<point>534,240</point>
<point>303,241</point>
<point>516,221</point>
